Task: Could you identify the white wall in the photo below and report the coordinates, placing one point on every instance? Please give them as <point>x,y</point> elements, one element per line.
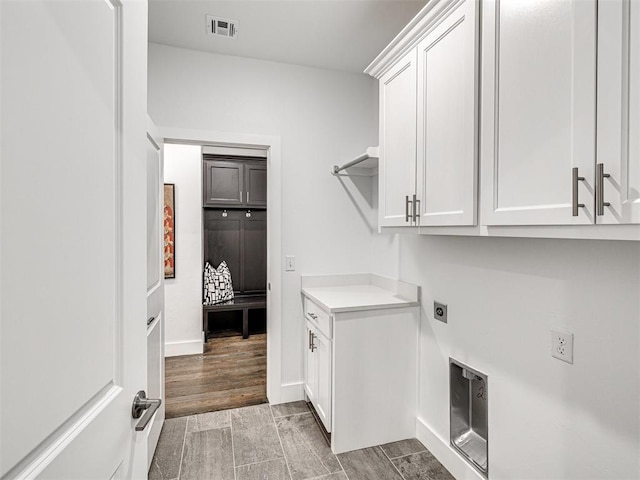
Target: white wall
<point>183,294</point>
<point>547,419</point>
<point>323,118</point>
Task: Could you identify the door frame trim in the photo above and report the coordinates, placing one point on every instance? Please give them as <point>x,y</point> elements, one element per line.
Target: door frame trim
<point>271,143</point>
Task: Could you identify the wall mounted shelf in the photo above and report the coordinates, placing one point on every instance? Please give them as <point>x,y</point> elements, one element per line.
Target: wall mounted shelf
<point>367,164</point>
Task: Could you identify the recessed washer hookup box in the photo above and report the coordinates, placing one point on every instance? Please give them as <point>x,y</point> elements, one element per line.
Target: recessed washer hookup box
<point>468,414</point>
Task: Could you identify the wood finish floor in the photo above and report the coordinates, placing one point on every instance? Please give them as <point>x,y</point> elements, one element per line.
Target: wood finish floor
<point>278,442</point>
<point>231,373</point>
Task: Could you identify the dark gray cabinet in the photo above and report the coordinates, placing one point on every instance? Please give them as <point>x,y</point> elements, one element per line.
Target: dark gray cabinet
<point>255,181</point>
<point>254,252</point>
<point>232,183</point>
<point>241,241</point>
<point>223,183</point>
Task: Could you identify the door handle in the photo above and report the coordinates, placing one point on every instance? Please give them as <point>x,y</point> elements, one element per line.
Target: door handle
<point>143,404</point>
<point>574,192</point>
<point>600,176</point>
<point>313,345</point>
<point>416,204</point>
<point>407,216</point>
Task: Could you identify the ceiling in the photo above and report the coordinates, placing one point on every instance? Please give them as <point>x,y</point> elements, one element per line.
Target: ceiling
<point>336,34</point>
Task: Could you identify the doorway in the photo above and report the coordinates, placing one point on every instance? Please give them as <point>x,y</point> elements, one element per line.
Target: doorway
<point>227,186</point>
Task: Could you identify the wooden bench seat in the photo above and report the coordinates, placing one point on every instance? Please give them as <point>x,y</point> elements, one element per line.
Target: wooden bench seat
<point>243,303</point>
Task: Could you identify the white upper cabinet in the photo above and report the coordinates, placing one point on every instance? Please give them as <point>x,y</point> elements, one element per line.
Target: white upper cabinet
<point>496,114</point>
<point>397,169</point>
<point>447,120</point>
<point>428,120</point>
<point>618,112</point>
<point>539,112</point>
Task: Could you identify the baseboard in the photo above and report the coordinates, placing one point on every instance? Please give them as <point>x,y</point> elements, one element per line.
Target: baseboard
<point>191,347</point>
<point>291,392</point>
<point>441,449</point>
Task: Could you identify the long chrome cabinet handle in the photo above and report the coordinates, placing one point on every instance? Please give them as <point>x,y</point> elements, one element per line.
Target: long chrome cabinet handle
<point>416,208</point>
<point>309,340</point>
<point>600,176</point>
<point>407,215</point>
<point>574,192</point>
<point>313,344</point>
<point>143,404</point>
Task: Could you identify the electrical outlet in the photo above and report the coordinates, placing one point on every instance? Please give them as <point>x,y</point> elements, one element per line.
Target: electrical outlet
<point>562,345</point>
<point>290,263</point>
<point>440,311</point>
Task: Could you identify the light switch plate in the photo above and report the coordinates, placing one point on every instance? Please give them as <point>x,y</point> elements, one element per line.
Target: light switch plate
<point>440,311</point>
<point>290,263</point>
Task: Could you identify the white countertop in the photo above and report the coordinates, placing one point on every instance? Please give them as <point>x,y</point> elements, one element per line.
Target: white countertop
<point>350,293</point>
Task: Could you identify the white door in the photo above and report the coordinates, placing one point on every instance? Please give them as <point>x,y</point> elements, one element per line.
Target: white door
<point>322,351</point>
<point>155,282</point>
<point>311,367</point>
<point>619,111</point>
<point>73,213</point>
<point>448,120</point>
<point>397,169</point>
<point>538,114</point>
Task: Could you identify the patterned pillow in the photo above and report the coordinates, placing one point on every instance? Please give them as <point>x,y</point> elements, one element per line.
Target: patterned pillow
<point>217,284</point>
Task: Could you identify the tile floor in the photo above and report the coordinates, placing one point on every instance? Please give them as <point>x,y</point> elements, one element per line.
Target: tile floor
<point>278,442</point>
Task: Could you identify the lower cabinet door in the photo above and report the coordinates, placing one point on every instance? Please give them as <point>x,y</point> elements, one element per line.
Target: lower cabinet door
<point>322,350</point>
<point>311,367</point>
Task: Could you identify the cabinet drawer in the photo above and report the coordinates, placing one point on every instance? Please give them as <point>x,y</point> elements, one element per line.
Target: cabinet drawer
<point>318,317</point>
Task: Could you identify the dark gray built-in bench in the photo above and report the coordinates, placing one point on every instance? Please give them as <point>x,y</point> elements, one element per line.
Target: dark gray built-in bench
<point>243,304</point>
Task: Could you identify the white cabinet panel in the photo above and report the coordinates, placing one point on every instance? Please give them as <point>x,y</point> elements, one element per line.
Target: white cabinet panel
<point>619,109</point>
<point>311,367</point>
<point>322,349</point>
<point>397,170</point>
<point>539,99</point>
<point>318,376</point>
<point>447,120</point>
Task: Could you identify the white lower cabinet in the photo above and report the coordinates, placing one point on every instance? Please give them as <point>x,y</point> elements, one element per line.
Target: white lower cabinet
<point>361,358</point>
<point>310,368</point>
<point>317,383</point>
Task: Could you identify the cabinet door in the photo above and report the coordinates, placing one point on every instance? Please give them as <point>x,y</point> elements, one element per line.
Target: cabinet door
<point>538,115</point>
<point>619,110</point>
<point>311,366</point>
<point>254,251</point>
<point>397,168</point>
<point>255,181</point>
<point>447,120</point>
<point>223,183</point>
<point>223,239</point>
<point>322,350</point>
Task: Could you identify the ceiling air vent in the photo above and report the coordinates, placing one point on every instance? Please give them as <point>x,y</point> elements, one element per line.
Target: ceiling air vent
<point>222,27</point>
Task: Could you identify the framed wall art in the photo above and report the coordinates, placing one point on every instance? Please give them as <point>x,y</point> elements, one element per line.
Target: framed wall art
<point>169,231</point>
